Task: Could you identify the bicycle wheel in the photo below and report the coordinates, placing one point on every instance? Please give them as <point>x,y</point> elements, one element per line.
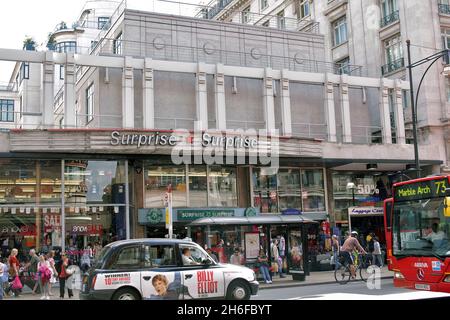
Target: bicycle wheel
<point>342,274</point>
<point>365,269</point>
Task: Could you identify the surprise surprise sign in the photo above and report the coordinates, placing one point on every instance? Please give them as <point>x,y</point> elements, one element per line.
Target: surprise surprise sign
<point>206,283</point>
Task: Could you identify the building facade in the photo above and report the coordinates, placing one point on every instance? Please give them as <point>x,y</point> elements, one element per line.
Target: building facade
<point>236,120</point>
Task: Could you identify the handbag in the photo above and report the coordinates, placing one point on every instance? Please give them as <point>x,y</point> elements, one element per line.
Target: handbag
<point>16,284</point>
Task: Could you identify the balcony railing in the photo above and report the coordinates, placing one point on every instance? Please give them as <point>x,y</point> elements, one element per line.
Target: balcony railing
<point>213,55</point>
<point>253,18</point>
<point>393,66</point>
<point>444,8</point>
<point>9,87</point>
<point>387,20</point>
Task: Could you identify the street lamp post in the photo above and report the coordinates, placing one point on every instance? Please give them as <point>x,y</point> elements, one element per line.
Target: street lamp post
<point>414,99</point>
<point>351,186</point>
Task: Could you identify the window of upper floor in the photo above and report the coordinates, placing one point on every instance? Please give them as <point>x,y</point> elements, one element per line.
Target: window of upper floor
<point>393,49</point>
<point>281,21</point>
<point>393,55</point>
<point>343,66</point>
<point>246,15</point>
<point>263,4</point>
<point>90,103</point>
<point>445,35</point>
<point>117,45</point>
<point>6,110</point>
<point>389,12</point>
<point>66,47</point>
<point>340,31</point>
<point>444,6</point>
<point>388,7</point>
<point>305,9</point>
<point>103,23</point>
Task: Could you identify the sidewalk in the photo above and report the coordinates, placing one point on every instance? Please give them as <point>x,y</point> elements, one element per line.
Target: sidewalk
<point>315,278</point>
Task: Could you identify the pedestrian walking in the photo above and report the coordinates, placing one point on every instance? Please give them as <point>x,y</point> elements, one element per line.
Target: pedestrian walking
<point>276,257</point>
<point>3,279</point>
<point>51,261</point>
<point>336,248</point>
<point>32,268</point>
<point>14,266</point>
<point>236,258</point>
<point>263,266</point>
<point>376,255</point>
<point>64,276</point>
<point>45,275</point>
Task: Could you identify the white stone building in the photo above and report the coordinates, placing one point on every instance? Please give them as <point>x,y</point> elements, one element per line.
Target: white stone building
<point>151,74</point>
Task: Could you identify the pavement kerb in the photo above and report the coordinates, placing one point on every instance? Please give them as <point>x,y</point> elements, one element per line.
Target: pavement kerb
<point>303,284</point>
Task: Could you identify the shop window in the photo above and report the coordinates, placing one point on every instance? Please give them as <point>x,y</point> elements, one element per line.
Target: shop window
<point>289,189</point>
<point>128,258</point>
<point>313,191</point>
<point>265,194</point>
<point>198,193</point>
<point>159,256</point>
<point>222,187</point>
<point>157,179</point>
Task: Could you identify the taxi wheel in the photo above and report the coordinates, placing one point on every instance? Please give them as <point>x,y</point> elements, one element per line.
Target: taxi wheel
<point>126,294</point>
<point>238,290</point>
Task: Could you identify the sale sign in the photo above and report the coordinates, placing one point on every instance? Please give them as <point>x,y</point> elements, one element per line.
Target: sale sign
<point>52,222</point>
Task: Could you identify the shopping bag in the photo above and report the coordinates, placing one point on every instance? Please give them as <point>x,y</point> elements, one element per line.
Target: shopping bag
<point>274,267</point>
<point>16,284</point>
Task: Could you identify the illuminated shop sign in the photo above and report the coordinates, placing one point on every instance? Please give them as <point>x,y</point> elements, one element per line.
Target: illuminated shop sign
<point>366,211</point>
<point>165,139</point>
<point>421,190</point>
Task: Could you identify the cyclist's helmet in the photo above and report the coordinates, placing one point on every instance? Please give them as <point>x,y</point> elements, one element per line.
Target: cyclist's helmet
<point>354,234</point>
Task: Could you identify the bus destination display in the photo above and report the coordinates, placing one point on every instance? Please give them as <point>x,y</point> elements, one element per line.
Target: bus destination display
<point>421,190</point>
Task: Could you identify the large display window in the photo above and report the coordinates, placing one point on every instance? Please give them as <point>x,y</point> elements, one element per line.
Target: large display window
<point>288,188</point>
<point>211,186</point>
<point>222,187</point>
<point>94,206</point>
<point>157,179</point>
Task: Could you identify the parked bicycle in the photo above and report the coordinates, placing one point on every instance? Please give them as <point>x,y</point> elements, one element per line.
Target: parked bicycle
<point>363,265</point>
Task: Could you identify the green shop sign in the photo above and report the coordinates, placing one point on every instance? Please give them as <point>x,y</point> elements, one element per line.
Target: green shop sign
<point>194,214</point>
<point>154,216</point>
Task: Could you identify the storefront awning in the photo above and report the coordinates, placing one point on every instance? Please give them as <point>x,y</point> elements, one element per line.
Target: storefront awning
<point>266,219</point>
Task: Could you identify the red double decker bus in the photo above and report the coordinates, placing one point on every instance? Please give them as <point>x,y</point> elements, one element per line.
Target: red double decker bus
<point>418,229</point>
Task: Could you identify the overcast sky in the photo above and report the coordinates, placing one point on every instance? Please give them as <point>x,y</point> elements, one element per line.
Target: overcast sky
<point>36,18</point>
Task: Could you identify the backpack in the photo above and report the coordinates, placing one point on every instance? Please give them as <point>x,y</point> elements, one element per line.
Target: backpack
<point>371,245</point>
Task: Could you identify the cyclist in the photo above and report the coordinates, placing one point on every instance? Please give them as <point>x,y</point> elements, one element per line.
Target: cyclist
<point>347,249</point>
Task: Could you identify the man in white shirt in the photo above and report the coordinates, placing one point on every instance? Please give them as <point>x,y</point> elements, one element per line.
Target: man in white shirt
<point>435,234</point>
<point>187,259</point>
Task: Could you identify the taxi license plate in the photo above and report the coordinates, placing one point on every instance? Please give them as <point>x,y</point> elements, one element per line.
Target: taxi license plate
<point>422,287</point>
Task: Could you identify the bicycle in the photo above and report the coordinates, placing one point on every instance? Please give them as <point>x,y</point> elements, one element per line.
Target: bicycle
<point>363,265</point>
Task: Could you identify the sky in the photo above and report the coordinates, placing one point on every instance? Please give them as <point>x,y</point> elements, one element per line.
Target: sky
<point>36,18</point>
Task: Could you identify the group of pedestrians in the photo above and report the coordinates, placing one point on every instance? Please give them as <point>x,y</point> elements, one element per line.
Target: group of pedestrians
<point>43,270</point>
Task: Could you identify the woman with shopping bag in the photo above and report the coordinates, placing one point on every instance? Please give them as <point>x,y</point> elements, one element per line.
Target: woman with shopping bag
<point>14,266</point>
<point>45,275</point>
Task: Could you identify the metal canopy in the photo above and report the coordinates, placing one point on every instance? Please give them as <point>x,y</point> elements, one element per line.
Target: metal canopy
<point>269,219</point>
